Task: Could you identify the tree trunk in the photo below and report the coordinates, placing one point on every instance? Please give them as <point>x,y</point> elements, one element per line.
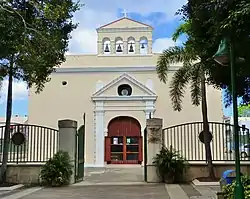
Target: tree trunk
<point>206,128</point>
<point>7,125</point>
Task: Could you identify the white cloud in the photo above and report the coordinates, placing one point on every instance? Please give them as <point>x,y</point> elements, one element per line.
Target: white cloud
<point>84,41</point>
<point>20,91</point>
<point>163,43</point>
<point>84,38</point>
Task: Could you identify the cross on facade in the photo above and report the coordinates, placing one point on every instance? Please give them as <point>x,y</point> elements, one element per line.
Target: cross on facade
<point>125,13</point>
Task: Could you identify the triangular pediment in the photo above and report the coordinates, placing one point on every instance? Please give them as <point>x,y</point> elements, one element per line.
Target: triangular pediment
<point>110,89</point>
<point>125,23</point>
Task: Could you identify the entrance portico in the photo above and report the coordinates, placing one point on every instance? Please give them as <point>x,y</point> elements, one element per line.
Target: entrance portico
<point>121,109</point>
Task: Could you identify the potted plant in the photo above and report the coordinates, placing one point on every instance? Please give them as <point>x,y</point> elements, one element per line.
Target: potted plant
<point>170,164</point>
<point>57,170</point>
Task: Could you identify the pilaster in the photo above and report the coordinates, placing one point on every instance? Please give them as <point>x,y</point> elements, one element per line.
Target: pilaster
<point>99,137</point>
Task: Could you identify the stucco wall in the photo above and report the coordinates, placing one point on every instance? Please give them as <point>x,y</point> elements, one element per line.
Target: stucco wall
<point>74,99</point>
<point>201,170</point>
<point>23,174</point>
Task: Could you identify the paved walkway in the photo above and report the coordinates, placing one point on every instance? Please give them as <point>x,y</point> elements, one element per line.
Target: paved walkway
<point>114,174</point>
<point>117,183</point>
<point>149,191</point>
<point>102,192</point>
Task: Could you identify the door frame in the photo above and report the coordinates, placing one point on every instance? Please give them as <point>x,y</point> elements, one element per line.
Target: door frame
<point>123,126</point>
<point>124,152</point>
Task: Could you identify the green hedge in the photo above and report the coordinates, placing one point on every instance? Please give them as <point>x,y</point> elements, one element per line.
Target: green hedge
<point>228,190</point>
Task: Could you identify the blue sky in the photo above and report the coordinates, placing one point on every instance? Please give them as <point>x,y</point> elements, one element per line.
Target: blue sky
<point>160,15</point>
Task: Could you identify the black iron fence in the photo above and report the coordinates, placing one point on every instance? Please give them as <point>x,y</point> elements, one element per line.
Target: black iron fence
<point>40,143</point>
<point>188,139</point>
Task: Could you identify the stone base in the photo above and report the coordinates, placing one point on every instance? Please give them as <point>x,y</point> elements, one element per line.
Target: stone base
<point>152,175</point>
<point>197,170</point>
<point>23,173</point>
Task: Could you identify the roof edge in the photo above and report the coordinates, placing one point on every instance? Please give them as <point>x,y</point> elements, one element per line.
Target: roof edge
<point>122,19</point>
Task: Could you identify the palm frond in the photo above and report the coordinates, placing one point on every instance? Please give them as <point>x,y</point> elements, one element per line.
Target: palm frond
<point>195,80</point>
<point>182,29</point>
<point>169,56</point>
<point>178,85</point>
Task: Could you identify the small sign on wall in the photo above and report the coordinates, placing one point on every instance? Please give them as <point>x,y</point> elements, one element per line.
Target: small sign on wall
<point>115,140</point>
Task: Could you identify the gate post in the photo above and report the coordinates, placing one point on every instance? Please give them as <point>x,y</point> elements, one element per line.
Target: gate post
<point>154,145</point>
<point>67,141</point>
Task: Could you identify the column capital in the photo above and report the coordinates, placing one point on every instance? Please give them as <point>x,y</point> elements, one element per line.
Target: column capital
<point>154,122</point>
<point>67,123</point>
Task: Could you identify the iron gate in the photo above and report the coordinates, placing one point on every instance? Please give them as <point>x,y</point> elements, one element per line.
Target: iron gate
<point>80,145</point>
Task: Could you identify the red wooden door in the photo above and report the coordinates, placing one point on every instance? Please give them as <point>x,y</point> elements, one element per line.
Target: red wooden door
<point>107,149</point>
<point>125,145</point>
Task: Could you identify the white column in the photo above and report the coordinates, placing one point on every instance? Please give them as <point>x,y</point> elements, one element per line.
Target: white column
<point>100,134</point>
<point>67,141</point>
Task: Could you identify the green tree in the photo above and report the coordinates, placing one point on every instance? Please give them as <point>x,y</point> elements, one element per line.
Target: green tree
<point>244,110</point>
<point>193,73</point>
<point>34,39</point>
<point>210,22</point>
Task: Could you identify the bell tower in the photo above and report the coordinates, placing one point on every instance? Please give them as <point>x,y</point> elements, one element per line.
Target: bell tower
<point>124,37</point>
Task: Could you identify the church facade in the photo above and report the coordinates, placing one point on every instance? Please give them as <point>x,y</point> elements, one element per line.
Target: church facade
<point>118,89</point>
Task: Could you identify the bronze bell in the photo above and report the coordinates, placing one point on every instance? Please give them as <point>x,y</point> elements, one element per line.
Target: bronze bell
<point>142,46</point>
<point>119,48</point>
<point>106,48</point>
<point>131,49</point>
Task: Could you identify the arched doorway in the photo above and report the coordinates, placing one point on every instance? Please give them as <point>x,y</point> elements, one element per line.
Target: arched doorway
<point>123,145</point>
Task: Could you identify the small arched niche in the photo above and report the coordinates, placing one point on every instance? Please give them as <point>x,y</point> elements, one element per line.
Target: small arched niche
<point>143,45</point>
<point>119,45</point>
<point>131,45</point>
<point>106,46</point>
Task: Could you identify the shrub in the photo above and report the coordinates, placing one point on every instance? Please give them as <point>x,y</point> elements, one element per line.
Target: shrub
<point>57,170</point>
<point>170,165</point>
<point>228,190</point>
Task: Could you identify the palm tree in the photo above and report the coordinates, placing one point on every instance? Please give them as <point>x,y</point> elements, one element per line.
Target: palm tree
<point>191,73</point>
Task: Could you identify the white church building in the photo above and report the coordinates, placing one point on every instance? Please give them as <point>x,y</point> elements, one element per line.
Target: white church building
<point>118,89</point>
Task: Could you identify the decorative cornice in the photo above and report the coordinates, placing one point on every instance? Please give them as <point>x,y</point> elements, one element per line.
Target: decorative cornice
<point>139,29</point>
<point>125,55</point>
<point>124,18</point>
<point>129,79</point>
<point>124,98</point>
<point>102,69</point>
